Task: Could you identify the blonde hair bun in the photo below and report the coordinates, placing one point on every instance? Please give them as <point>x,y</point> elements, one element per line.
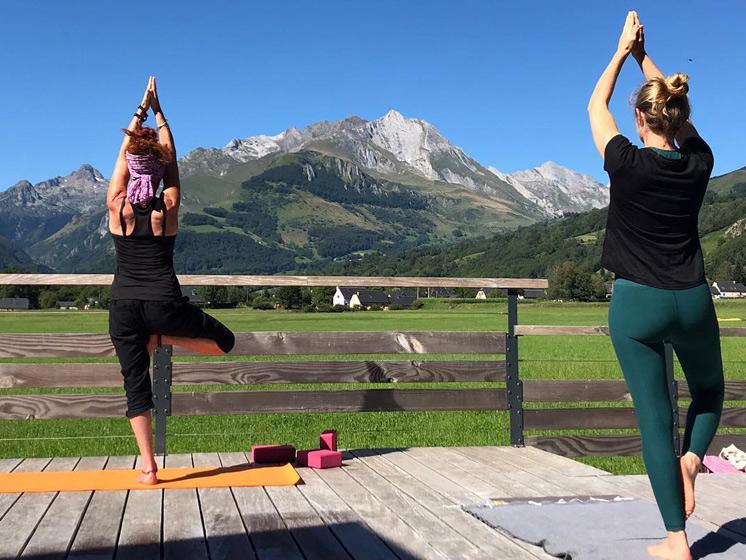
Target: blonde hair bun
<point>677,84</point>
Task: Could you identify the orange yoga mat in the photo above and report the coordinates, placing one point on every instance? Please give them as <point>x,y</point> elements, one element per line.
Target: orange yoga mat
<point>197,477</point>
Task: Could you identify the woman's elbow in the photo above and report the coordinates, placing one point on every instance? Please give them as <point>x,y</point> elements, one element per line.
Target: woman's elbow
<point>172,198</point>
<point>598,104</point>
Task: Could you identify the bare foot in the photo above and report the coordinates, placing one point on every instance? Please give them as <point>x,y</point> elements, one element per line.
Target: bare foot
<point>690,466</point>
<point>675,547</point>
<point>148,477</point>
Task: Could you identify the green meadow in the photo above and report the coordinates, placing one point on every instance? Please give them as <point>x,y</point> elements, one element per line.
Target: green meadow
<point>561,357</point>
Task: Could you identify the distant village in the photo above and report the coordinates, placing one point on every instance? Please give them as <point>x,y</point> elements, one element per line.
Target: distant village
<point>362,297</point>
<point>365,298</point>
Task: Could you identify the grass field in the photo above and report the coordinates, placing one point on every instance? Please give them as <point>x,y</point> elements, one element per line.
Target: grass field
<point>541,358</point>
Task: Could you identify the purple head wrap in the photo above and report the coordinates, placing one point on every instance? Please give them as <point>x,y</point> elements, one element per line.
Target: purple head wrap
<point>146,173</point>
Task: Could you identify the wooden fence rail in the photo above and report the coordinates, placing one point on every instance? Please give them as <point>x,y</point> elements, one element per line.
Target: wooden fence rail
<point>269,281</point>
<point>273,344</point>
<point>571,330</point>
<point>612,446</point>
<point>260,373</point>
<point>19,407</point>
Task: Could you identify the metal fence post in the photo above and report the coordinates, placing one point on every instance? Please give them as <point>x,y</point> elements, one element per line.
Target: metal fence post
<point>673,392</point>
<point>161,394</point>
<point>513,385</point>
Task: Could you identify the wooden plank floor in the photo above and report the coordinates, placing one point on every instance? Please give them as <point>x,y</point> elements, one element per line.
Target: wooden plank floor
<point>386,503</point>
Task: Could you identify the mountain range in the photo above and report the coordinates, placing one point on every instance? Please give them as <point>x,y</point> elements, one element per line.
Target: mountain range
<point>577,238</point>
<point>330,191</point>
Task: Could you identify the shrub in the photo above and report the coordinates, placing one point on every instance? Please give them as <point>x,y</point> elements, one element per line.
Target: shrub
<point>191,219</point>
<point>263,304</point>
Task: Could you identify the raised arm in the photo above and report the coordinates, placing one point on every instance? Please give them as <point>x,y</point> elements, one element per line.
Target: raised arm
<point>648,67</point>
<point>650,71</point>
<point>603,126</point>
<point>171,183</point>
<point>120,175</point>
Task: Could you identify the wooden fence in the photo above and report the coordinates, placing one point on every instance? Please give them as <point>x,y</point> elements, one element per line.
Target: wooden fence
<point>509,392</point>
<point>378,372</point>
<point>605,417</point>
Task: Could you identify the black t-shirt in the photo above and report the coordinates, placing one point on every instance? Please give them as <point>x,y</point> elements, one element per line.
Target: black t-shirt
<point>651,232</point>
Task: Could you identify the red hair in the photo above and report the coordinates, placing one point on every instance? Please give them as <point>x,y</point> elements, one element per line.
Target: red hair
<point>144,142</point>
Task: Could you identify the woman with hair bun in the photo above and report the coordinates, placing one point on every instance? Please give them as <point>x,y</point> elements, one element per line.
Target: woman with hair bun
<point>660,293</point>
<point>146,301</point>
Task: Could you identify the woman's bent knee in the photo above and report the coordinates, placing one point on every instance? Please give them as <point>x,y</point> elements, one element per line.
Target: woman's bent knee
<point>138,405</point>
<point>227,341</point>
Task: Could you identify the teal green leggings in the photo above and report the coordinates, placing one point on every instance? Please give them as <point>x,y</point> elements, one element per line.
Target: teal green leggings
<point>641,318</point>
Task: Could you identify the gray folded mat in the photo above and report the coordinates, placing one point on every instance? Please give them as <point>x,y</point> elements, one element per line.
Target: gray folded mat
<point>601,528</point>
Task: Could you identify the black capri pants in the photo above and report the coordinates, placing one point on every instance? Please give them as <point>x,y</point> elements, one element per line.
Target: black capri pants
<point>132,322</point>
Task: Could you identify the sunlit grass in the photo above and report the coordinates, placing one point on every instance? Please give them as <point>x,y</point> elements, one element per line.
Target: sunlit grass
<point>560,357</point>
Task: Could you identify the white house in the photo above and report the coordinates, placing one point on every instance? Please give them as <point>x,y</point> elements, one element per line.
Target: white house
<point>359,297</point>
<point>728,290</point>
<point>342,296</point>
<point>484,293</point>
<point>366,298</point>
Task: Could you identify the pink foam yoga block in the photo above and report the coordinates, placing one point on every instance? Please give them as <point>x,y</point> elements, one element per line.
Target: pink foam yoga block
<point>328,440</point>
<point>301,458</point>
<point>272,453</point>
<point>324,459</point>
<point>718,465</point>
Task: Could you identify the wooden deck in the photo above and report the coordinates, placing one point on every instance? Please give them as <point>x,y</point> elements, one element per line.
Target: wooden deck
<point>385,504</point>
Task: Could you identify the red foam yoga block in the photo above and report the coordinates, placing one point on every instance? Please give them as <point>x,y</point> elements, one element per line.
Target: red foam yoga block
<point>272,453</point>
<point>328,440</point>
<point>301,458</point>
<point>324,459</point>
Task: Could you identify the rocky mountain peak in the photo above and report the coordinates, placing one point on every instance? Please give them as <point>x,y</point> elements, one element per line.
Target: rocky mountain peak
<point>20,194</point>
<point>22,185</point>
<point>411,141</point>
<point>395,125</point>
<point>551,167</point>
<point>353,121</point>
<point>82,190</point>
<point>552,170</point>
<point>557,189</point>
<point>86,172</point>
<point>393,115</point>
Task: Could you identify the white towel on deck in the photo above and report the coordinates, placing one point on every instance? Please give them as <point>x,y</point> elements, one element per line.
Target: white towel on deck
<point>734,456</point>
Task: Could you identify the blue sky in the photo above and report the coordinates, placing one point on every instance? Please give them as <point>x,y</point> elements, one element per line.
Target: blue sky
<point>506,81</point>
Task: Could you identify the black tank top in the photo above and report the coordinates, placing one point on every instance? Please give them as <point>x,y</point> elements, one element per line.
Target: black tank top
<point>145,262</point>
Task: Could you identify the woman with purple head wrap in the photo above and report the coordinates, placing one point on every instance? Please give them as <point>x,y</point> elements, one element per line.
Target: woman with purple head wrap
<point>146,301</point>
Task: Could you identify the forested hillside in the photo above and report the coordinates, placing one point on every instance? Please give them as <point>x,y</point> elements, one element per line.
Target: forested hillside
<point>578,238</point>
